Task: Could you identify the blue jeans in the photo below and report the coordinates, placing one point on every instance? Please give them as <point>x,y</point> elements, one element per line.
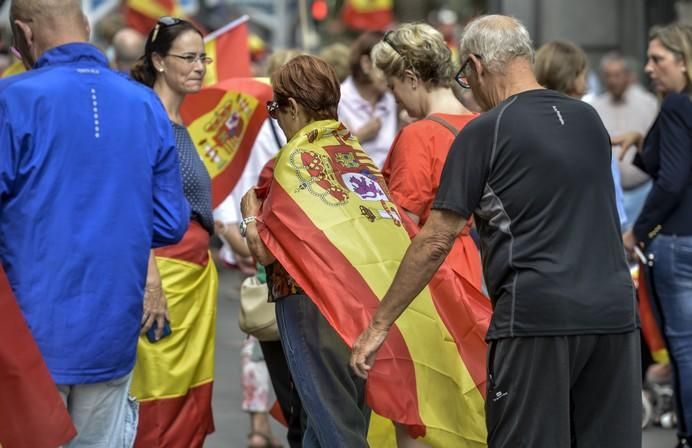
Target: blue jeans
<point>103,413</point>
<point>332,395</point>
<point>672,274</point>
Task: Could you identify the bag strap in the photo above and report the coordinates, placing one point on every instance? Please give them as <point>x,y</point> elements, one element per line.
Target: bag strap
<point>441,121</point>
<point>276,135</point>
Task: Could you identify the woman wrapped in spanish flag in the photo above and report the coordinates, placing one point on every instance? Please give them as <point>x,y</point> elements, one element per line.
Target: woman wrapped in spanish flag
<point>332,239</point>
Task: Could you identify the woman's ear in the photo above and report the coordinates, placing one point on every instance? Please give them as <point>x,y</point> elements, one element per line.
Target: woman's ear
<point>293,107</point>
<point>157,60</point>
<point>410,78</point>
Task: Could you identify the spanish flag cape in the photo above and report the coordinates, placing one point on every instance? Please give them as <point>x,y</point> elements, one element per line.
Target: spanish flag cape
<point>32,414</point>
<point>328,219</point>
<point>173,378</point>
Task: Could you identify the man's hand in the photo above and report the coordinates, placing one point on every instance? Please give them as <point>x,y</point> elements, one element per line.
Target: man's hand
<point>365,349</point>
<point>369,130</point>
<point>629,241</point>
<point>626,140</point>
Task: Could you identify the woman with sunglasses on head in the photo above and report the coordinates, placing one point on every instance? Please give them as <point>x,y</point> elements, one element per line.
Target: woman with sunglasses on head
<point>174,373</point>
<point>664,226</point>
<point>418,65</point>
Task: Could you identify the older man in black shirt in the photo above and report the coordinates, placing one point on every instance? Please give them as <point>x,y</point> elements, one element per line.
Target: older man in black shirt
<point>534,170</point>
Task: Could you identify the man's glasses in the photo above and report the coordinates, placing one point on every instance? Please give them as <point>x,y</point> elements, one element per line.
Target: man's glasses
<point>192,58</point>
<point>164,21</point>
<point>461,77</point>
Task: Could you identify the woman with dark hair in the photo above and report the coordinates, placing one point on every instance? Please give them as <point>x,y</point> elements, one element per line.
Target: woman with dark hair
<point>174,372</point>
<point>366,107</point>
<point>664,226</point>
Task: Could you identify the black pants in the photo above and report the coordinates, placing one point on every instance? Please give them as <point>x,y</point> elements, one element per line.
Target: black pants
<point>565,392</point>
<point>286,392</point>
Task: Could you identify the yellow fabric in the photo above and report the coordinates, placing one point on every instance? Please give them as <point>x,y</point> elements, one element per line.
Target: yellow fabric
<point>371,5</point>
<point>16,68</point>
<point>156,9</point>
<point>173,365</point>
<point>212,76</point>
<point>661,356</point>
<point>450,404</point>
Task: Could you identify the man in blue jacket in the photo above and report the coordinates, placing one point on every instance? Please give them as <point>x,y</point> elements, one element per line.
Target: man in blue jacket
<point>89,183</point>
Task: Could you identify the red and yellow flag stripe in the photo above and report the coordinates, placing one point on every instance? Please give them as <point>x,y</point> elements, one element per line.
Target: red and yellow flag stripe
<point>329,221</point>
<point>370,15</point>
<point>173,378</point>
<point>223,121</point>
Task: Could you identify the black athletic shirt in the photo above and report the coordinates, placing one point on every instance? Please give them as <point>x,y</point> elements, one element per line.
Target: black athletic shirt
<point>535,172</point>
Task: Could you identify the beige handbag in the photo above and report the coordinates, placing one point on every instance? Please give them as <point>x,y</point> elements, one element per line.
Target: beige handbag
<point>257,316</point>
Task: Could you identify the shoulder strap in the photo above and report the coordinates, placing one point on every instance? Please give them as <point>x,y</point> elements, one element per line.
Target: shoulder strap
<point>276,135</point>
<point>441,121</point>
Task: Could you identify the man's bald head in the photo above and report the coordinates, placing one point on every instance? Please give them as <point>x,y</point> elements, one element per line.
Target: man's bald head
<point>128,45</point>
<point>39,25</point>
<point>47,10</point>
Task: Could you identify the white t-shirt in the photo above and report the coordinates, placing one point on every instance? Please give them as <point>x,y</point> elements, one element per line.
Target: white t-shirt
<point>636,112</point>
<point>264,148</point>
<point>355,112</point>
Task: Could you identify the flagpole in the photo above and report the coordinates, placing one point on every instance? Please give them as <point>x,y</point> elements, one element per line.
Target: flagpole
<point>303,8</point>
<point>223,29</point>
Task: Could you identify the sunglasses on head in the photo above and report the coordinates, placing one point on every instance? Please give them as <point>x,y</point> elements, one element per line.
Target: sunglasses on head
<point>164,21</point>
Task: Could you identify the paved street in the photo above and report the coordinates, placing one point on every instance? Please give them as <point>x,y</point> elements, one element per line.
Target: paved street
<point>232,424</point>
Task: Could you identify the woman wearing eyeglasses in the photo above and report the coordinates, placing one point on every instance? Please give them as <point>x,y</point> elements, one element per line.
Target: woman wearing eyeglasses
<point>418,65</point>
<point>174,372</point>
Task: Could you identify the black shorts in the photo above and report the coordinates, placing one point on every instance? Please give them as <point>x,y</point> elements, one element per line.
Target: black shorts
<point>580,391</point>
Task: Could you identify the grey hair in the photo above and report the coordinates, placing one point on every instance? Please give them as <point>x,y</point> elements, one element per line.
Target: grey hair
<point>630,64</point>
<point>497,39</point>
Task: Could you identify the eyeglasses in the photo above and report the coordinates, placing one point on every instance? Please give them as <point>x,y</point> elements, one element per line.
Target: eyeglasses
<point>461,76</point>
<point>192,58</point>
<point>273,109</point>
<point>164,21</point>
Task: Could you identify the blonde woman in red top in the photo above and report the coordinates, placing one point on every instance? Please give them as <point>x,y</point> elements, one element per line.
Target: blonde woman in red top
<point>418,65</point>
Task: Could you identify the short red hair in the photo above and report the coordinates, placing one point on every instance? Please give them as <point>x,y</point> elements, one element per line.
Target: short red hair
<point>312,83</point>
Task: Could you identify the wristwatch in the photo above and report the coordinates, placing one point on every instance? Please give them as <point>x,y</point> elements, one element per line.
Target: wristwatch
<point>244,223</point>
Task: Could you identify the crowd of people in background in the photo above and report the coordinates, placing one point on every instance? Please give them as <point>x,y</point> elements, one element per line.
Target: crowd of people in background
<point>500,162</point>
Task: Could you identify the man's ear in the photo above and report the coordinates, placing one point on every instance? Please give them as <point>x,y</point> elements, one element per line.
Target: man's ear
<point>477,65</point>
<point>27,33</point>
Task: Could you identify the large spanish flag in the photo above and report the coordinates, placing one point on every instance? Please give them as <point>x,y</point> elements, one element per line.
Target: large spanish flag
<point>173,377</point>
<point>229,47</point>
<point>223,121</point>
<point>143,14</point>
<point>368,15</point>
<point>328,219</point>
<point>32,413</point>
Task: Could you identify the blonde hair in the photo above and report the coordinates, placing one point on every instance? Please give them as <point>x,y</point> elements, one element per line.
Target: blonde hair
<point>677,38</point>
<point>277,59</point>
<point>337,55</point>
<point>418,47</point>
<point>558,65</point>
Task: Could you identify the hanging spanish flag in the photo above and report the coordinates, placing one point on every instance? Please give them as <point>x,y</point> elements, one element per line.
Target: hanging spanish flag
<point>229,47</point>
<point>223,121</point>
<point>32,413</point>
<point>328,219</point>
<point>368,15</point>
<point>143,14</point>
<point>173,378</point>
<point>15,68</point>
<point>650,328</point>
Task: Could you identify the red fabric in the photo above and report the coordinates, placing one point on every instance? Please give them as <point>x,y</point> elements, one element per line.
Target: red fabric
<point>650,329</point>
<point>391,384</point>
<point>413,170</point>
<point>32,413</point>
<point>232,58</point>
<point>208,99</point>
<point>366,20</point>
<point>193,247</point>
<point>175,415</point>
